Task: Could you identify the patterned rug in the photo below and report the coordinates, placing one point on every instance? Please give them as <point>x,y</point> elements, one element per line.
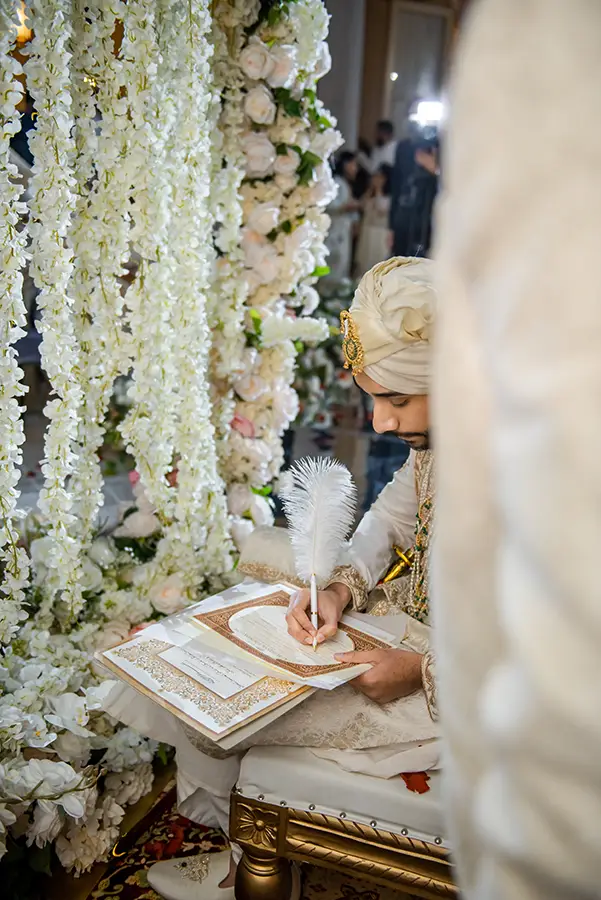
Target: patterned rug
<point>163,834</point>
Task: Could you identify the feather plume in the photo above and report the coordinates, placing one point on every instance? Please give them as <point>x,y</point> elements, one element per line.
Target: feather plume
<point>319,498</point>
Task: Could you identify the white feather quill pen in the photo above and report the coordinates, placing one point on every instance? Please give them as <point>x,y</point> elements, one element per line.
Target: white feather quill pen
<point>319,498</point>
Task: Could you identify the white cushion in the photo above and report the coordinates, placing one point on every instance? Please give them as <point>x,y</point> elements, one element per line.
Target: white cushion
<point>297,778</point>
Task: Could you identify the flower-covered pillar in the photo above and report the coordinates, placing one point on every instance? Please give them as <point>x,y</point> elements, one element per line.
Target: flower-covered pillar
<point>286,138</point>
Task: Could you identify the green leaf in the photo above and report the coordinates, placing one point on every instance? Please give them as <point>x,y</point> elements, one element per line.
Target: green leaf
<point>164,754</point>
<point>320,271</point>
<point>293,108</point>
<point>311,159</point>
<point>281,149</point>
<point>273,16</point>
<point>264,491</point>
<point>299,346</point>
<point>272,235</point>
<point>286,227</point>
<point>255,318</point>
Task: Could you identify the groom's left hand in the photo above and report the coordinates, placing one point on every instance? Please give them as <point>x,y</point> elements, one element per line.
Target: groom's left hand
<point>394,673</point>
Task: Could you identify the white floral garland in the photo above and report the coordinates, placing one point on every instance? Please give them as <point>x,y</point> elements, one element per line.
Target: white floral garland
<point>286,143</point>
<point>13,320</point>
<point>149,428</point>
<point>196,543</point>
<point>51,207</point>
<point>100,236</point>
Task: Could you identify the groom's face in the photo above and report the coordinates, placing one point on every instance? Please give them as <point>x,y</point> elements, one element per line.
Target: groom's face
<point>405,415</point>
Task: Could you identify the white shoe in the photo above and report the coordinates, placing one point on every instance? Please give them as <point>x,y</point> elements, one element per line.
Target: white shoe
<point>199,877</point>
<point>192,877</point>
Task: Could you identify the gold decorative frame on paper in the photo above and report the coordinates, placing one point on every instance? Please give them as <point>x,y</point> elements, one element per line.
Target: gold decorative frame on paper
<point>219,621</point>
<point>273,836</point>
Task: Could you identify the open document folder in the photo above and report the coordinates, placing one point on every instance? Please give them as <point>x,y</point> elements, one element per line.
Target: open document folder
<point>227,666</point>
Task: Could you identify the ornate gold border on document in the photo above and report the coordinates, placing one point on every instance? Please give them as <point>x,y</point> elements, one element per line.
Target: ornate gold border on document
<point>219,620</point>
<point>144,655</point>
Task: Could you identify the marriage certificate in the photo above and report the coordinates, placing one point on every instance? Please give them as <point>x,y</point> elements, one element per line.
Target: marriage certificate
<point>227,666</point>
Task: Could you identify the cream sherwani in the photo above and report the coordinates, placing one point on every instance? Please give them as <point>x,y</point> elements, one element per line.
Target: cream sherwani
<point>518,414</point>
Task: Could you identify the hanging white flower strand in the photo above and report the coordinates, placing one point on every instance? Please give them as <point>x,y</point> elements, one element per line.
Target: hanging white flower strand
<point>196,543</point>
<point>229,289</point>
<point>148,429</point>
<point>51,207</point>
<point>100,236</point>
<point>13,319</point>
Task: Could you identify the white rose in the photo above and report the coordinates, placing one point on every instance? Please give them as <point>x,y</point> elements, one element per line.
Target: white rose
<point>253,245</point>
<point>261,510</point>
<point>324,60</point>
<point>324,189</point>
<point>169,595</point>
<point>256,61</point>
<point>300,238</point>
<point>260,154</point>
<point>287,163</point>
<point>326,142</point>
<point>260,256</point>
<point>259,105</point>
<point>138,525</point>
<point>284,68</point>
<point>268,267</point>
<point>285,409</point>
<point>111,635</point>
<point>239,499</point>
<point>241,529</point>
<point>142,502</point>
<point>102,553</point>
<point>286,183</point>
<point>251,387</point>
<point>264,218</point>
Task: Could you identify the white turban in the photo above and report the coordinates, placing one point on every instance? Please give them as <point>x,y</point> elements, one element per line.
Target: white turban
<point>388,327</point>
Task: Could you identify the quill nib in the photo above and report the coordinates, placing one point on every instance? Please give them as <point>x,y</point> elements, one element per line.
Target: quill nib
<point>314,643</point>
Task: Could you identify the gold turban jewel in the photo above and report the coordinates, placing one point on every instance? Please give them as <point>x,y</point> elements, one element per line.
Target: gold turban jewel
<point>352,348</point>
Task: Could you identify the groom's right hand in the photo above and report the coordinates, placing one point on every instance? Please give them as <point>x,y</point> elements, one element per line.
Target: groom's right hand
<point>331,604</point>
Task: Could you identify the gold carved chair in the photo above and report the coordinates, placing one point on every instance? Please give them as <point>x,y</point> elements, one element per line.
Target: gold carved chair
<point>289,806</point>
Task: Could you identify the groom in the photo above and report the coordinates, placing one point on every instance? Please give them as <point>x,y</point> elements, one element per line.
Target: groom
<point>392,706</point>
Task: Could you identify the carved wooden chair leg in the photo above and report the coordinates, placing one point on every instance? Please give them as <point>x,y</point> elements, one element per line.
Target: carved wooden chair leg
<point>262,876</point>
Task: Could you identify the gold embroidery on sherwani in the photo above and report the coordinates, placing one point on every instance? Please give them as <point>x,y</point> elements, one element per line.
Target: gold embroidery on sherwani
<point>429,683</point>
<point>354,582</point>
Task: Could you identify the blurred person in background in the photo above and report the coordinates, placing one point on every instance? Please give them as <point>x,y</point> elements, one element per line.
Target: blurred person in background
<point>414,185</point>
<point>518,439</point>
<point>344,212</point>
<point>384,151</point>
<point>373,236</point>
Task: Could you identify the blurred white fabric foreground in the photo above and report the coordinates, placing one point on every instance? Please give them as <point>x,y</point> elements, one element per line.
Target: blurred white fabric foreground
<point>518,413</point>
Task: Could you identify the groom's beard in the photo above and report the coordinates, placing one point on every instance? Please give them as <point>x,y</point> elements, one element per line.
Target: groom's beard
<point>417,440</point>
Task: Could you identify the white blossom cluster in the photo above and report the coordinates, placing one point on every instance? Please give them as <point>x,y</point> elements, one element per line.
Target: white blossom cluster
<point>152,297</point>
<point>286,138</point>
<point>105,173</point>
<point>196,543</point>
<point>51,209</point>
<point>13,239</point>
